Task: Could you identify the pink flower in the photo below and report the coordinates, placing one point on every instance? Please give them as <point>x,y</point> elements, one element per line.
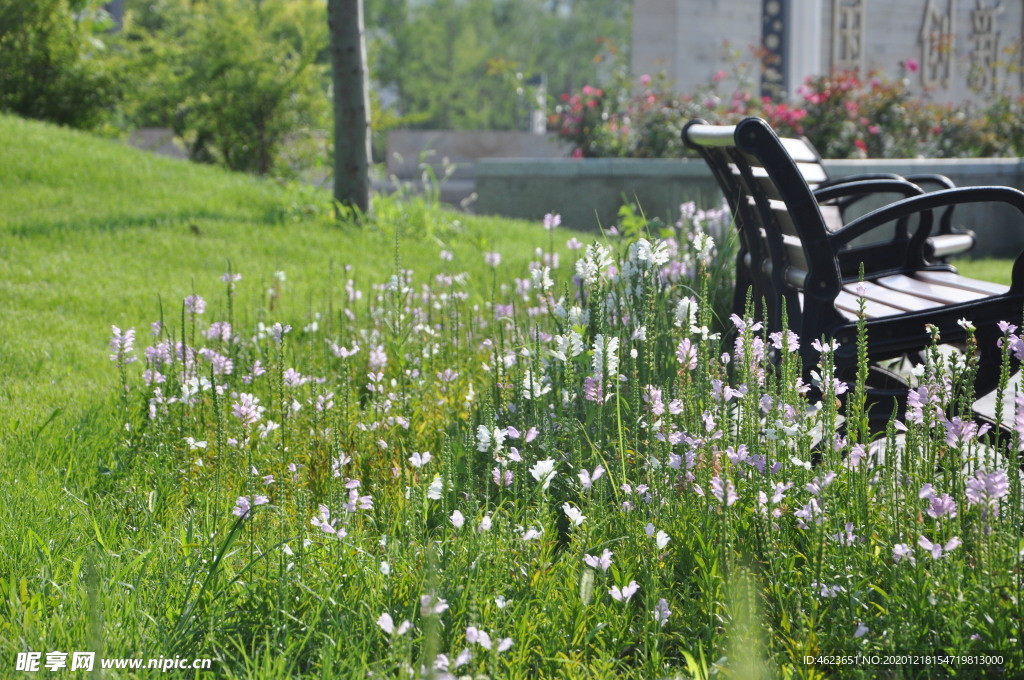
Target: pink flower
<point>911,65</point>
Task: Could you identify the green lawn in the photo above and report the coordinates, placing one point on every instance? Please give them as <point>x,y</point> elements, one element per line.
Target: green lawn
<point>593,504</point>
<point>93,233</point>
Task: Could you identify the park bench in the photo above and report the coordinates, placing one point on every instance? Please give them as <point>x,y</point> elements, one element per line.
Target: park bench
<point>792,259</point>
<point>940,245</point>
<point>840,199</point>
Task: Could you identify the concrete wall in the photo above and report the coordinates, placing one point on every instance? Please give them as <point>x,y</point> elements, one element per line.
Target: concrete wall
<point>457,152</point>
<point>588,193</point>
<point>684,38</point>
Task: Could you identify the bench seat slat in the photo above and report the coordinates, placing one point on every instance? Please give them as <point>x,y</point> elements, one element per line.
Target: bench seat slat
<point>938,292</point>
<point>893,298</point>
<point>951,279</point>
<point>799,150</point>
<point>848,305</point>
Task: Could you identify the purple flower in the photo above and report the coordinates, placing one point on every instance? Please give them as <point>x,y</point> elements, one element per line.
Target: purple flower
<point>959,432</point>
<point>218,330</point>
<point>195,305</point>
<point>378,358</point>
<point>902,551</point>
<point>825,590</point>
<point>492,259</point>
<point>222,365</point>
<point>247,408</point>
<point>937,550</point>
<point>587,479</point>
<point>603,562</point>
<point>847,537</point>
<point>686,353</point>
<point>725,493</point>
<point>242,507</point>
<point>502,477</point>
<point>552,220</point>
<point>432,605</point>
<point>986,489</point>
<point>941,506</point>
<point>122,345</point>
<point>661,612</point>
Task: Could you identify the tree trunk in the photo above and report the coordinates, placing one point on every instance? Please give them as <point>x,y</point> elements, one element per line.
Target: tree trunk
<point>351,104</point>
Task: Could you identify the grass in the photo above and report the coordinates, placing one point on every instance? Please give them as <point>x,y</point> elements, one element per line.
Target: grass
<point>93,234</point>
<point>593,503</point>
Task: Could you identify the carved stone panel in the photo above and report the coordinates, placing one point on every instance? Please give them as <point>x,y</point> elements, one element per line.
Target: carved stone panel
<point>848,35</point>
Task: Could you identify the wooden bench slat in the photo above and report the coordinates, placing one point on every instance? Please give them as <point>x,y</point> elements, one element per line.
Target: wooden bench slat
<point>926,289</point>
<point>799,149</point>
<point>813,173</point>
<point>951,279</point>
<point>848,305</point>
<point>893,298</point>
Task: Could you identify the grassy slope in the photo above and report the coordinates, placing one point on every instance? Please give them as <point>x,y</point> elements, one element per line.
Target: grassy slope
<point>92,234</point>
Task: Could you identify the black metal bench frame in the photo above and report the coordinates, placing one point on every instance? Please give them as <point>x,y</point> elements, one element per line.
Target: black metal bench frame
<point>790,258</point>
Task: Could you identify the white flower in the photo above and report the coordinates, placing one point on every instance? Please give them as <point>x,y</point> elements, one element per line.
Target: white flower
<point>532,533</point>
<point>704,245</point>
<point>387,624</point>
<point>624,594</point>
<point>457,519</point>
<point>573,513</point>
<point>594,264</point>
<point>485,524</point>
<point>686,313</point>
<point>436,487</point>
<point>418,460</point>
<point>385,568</point>
<point>606,357</point>
<point>644,251</point>
<point>544,471</point>
<point>534,388</point>
<point>477,636</point>
<point>483,439</point>
<point>541,278</point>
<point>661,540</point>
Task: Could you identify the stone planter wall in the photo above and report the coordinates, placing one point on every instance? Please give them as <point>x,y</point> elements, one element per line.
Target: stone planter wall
<point>588,193</point>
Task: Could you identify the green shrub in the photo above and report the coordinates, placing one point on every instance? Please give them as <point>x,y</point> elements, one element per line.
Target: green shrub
<point>52,66</point>
<point>235,79</point>
<point>843,114</point>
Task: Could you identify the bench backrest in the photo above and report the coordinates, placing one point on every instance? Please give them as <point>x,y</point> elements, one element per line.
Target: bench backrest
<point>781,228</point>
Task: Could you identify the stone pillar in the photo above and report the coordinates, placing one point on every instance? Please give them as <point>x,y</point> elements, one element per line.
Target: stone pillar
<point>774,38</point>
<point>804,49</point>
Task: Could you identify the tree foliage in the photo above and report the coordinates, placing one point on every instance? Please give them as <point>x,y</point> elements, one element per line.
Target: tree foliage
<point>49,68</point>
<point>464,64</point>
<point>233,78</point>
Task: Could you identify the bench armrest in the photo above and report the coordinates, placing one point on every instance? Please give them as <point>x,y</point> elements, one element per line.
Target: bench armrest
<point>924,180</point>
<point>864,187</point>
<point>924,205</point>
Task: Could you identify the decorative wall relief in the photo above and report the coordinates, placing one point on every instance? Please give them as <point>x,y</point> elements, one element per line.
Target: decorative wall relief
<point>981,77</point>
<point>937,44</point>
<point>848,35</point>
